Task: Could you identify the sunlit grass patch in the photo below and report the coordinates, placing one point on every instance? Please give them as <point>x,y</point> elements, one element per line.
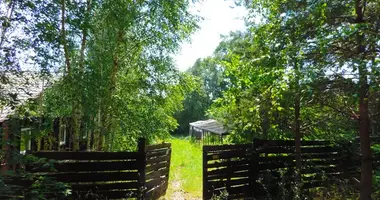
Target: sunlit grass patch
<point>186,166</point>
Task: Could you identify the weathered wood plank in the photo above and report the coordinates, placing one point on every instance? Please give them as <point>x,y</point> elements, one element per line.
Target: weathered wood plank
<point>333,155</point>
<point>227,155</point>
<point>224,164</point>
<point>156,167</point>
<point>221,184</point>
<point>158,174</point>
<point>291,143</point>
<point>275,150</point>
<point>158,146</point>
<point>227,170</point>
<point>232,175</point>
<point>94,177</point>
<point>326,149</point>
<point>158,154</point>
<point>90,166</point>
<point>154,183</point>
<point>226,147</point>
<point>164,158</point>
<point>88,155</point>
<point>276,158</point>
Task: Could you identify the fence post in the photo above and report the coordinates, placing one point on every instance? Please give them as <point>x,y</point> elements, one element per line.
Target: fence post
<point>204,173</point>
<point>142,151</point>
<point>254,168</point>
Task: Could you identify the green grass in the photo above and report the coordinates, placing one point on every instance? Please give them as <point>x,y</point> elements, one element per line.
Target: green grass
<point>186,166</point>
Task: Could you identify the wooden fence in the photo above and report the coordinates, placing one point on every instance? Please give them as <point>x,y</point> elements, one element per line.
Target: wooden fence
<point>157,170</point>
<point>267,166</point>
<point>228,168</point>
<point>110,175</point>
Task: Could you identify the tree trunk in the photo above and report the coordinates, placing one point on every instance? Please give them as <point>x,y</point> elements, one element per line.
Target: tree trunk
<point>76,130</point>
<point>6,26</point>
<point>60,133</point>
<point>365,145</point>
<point>364,124</point>
<point>297,124</point>
<point>89,137</point>
<point>64,40</point>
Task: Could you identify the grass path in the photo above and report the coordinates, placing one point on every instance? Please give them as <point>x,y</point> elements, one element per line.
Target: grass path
<point>185,179</point>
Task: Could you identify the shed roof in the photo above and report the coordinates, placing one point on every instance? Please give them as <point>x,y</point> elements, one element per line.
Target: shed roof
<point>210,125</point>
<point>24,86</point>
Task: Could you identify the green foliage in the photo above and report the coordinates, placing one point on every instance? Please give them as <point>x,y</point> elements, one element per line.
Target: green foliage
<point>114,76</point>
<point>40,187</point>
<point>290,55</point>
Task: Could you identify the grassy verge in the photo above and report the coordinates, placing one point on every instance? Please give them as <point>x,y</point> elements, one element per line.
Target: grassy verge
<point>186,168</point>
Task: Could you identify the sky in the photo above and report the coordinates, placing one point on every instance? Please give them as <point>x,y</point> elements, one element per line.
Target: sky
<point>220,18</point>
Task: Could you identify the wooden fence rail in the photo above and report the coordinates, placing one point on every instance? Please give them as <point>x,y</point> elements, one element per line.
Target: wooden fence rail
<point>110,175</point>
<point>257,169</point>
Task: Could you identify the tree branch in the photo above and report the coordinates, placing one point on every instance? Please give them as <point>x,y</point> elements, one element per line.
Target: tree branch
<point>64,41</point>
<point>84,35</point>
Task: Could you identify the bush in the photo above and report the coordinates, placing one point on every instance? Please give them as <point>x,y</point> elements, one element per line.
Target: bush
<point>23,184</point>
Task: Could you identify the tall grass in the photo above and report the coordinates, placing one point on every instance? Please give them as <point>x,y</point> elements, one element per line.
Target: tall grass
<point>186,166</point>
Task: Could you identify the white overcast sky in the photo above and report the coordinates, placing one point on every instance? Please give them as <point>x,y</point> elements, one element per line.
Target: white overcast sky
<point>220,17</point>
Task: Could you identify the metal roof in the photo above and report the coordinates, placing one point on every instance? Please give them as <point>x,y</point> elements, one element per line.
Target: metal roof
<point>210,125</point>
<point>26,85</point>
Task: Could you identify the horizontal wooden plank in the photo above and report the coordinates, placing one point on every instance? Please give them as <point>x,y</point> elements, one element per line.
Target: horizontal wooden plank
<point>210,148</point>
<point>106,186</point>
<point>222,184</point>
<point>320,156</point>
<point>156,167</point>
<point>158,160</point>
<point>225,164</point>
<point>90,166</point>
<point>290,143</point>
<point>227,155</point>
<point>326,149</point>
<point>88,155</point>
<point>238,174</point>
<point>158,154</point>
<point>228,170</point>
<point>276,158</point>
<point>322,162</point>
<point>94,177</point>
<point>157,174</point>
<point>158,146</point>
<point>155,182</point>
<point>275,150</point>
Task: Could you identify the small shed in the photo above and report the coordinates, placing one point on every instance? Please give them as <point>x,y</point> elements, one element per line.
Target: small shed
<point>211,127</point>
